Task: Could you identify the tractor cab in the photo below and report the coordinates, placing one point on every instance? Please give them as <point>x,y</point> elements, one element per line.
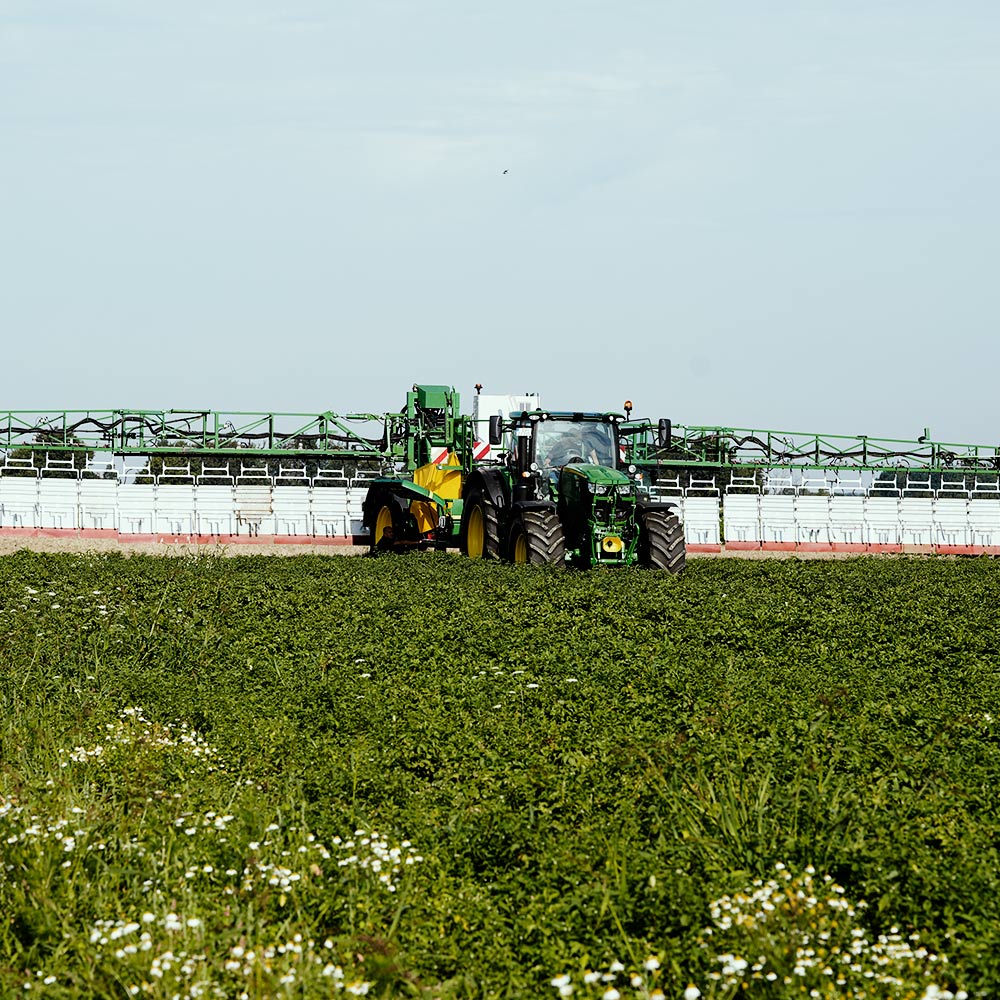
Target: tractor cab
<point>540,444</point>
<point>559,443</point>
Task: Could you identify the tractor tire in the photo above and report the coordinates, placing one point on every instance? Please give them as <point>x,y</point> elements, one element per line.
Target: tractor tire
<point>662,542</point>
<point>536,538</point>
<point>384,509</point>
<point>480,537</point>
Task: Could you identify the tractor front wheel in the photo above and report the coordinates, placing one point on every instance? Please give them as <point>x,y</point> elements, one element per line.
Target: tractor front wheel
<point>480,528</point>
<point>662,542</point>
<point>384,512</point>
<point>536,537</point>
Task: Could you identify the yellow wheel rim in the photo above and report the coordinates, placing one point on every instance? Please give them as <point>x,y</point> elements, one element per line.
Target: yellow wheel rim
<point>521,548</point>
<point>383,521</point>
<point>475,533</point>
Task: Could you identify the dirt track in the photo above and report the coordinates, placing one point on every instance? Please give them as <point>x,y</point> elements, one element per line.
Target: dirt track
<point>11,544</point>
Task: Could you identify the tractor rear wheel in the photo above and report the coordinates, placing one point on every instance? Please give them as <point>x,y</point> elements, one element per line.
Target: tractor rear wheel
<point>662,542</point>
<point>536,537</point>
<point>480,537</point>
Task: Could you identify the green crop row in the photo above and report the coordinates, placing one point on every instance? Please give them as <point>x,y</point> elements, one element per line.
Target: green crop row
<point>426,777</point>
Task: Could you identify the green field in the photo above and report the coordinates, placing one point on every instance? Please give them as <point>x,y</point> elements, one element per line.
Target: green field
<point>420,776</point>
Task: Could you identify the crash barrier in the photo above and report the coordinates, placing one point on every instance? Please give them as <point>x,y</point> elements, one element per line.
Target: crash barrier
<point>332,513</point>
<point>859,524</point>
<point>241,512</point>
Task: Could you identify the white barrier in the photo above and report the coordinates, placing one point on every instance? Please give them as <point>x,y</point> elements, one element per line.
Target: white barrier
<point>98,502</point>
<point>175,510</point>
<point>952,521</point>
<point>847,521</point>
<point>741,520</point>
<point>291,510</point>
<point>58,504</point>
<point>245,511</point>
<point>777,520</point>
<point>701,521</point>
<point>813,524</point>
<point>137,509</point>
<point>216,511</point>
<point>916,522</point>
<point>330,512</point>
<point>984,523</point>
<point>882,525</point>
<point>18,502</point>
<point>254,509</point>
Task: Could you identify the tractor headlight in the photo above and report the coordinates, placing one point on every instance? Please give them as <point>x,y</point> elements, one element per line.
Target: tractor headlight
<point>601,490</point>
<point>624,490</point>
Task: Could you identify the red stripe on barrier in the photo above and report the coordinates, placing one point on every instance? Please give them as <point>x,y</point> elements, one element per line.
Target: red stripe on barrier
<point>701,547</point>
<point>967,550</point>
<point>73,532</point>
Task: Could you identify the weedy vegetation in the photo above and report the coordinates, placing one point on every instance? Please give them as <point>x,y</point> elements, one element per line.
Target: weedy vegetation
<point>424,777</point>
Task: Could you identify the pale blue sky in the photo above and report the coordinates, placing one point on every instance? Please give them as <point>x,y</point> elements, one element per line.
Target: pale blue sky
<point>774,214</point>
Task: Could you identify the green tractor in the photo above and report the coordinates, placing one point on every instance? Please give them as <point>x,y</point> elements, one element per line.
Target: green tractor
<point>562,497</point>
<point>555,492</point>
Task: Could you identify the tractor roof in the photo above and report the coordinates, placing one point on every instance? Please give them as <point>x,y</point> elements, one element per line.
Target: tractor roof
<point>573,415</point>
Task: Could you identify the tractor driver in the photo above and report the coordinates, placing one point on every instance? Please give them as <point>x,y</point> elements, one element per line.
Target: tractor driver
<point>570,446</point>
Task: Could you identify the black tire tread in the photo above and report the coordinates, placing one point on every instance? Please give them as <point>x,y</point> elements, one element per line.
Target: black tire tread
<point>662,545</point>
<point>491,543</point>
<point>491,525</point>
<point>544,533</point>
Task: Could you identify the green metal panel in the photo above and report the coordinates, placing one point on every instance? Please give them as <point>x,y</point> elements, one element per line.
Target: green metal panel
<point>431,419</point>
<point>407,488</point>
<point>745,448</point>
<point>599,475</point>
<point>146,432</point>
<point>436,397</point>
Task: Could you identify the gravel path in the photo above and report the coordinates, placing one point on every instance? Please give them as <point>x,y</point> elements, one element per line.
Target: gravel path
<point>10,544</point>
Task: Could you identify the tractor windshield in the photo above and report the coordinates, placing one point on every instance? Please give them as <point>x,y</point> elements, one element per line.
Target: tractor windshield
<point>559,442</point>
